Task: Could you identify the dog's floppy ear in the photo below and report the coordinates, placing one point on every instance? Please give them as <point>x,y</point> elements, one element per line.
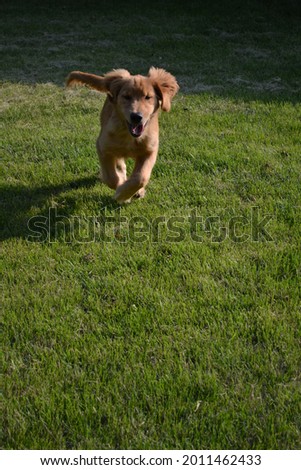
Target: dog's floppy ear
<point>109,83</point>
<point>114,81</point>
<point>165,85</point>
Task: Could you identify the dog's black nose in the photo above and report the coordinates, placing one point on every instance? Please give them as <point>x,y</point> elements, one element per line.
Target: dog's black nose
<point>136,118</point>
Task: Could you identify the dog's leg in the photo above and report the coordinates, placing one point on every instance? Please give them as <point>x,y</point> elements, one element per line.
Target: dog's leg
<point>137,181</point>
<point>121,169</point>
<point>112,171</point>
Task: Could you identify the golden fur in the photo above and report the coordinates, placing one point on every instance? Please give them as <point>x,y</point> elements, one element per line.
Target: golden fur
<point>129,125</point>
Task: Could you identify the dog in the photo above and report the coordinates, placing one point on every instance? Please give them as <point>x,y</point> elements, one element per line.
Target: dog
<point>129,125</point>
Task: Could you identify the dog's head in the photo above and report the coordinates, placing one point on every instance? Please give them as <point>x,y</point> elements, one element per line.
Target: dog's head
<point>137,98</point>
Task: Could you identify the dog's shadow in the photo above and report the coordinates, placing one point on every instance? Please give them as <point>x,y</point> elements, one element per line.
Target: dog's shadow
<point>17,202</point>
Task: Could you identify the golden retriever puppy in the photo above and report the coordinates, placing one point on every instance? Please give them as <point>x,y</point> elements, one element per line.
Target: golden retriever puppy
<point>129,125</point>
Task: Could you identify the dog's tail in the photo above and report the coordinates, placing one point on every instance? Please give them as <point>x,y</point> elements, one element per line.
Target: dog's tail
<point>93,81</point>
<point>108,83</point>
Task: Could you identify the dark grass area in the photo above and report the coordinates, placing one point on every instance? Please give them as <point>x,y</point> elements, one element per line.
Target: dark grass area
<point>223,47</point>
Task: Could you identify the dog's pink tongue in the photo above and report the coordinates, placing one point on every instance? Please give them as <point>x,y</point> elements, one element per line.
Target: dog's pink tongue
<point>138,129</point>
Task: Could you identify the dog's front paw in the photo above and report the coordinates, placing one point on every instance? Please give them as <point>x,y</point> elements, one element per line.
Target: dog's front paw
<point>140,194</point>
<point>124,195</point>
<point>120,200</point>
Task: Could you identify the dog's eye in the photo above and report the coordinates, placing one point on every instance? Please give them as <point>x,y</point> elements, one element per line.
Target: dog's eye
<point>127,97</point>
<point>147,97</point>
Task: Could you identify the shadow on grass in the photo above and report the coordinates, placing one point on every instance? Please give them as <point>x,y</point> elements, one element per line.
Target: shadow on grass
<point>17,203</point>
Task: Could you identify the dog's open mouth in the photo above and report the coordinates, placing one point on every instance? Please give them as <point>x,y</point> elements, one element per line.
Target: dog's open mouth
<point>136,130</point>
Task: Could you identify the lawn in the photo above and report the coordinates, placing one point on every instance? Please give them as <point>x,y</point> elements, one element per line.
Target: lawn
<point>172,322</point>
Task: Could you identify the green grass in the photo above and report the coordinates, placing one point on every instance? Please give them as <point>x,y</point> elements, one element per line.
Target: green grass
<point>147,335</point>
